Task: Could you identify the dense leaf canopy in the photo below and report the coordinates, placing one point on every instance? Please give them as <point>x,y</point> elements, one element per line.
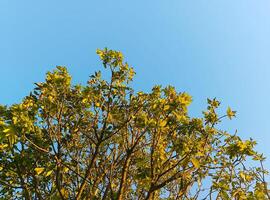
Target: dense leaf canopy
<point>105,141</point>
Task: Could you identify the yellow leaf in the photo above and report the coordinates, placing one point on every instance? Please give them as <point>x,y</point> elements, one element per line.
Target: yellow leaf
<point>65,169</point>
<point>2,122</point>
<point>155,106</point>
<point>166,107</point>
<point>49,173</point>
<point>185,99</point>
<point>14,119</point>
<point>2,146</point>
<point>6,130</point>
<point>39,170</point>
<point>195,162</point>
<point>64,192</point>
<point>84,100</point>
<point>163,123</point>
<point>248,177</point>
<point>230,113</point>
<point>50,98</point>
<point>97,104</point>
<point>181,117</point>
<point>199,154</point>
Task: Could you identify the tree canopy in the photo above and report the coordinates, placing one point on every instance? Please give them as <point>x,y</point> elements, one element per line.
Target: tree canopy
<point>103,140</point>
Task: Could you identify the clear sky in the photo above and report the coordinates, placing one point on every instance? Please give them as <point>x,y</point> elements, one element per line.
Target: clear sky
<point>206,48</point>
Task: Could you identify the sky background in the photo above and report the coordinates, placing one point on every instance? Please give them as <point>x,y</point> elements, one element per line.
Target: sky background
<point>206,48</point>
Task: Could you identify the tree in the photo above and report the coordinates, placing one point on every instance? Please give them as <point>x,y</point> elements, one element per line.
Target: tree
<point>106,141</point>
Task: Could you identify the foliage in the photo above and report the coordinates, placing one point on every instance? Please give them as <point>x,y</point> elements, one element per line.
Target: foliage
<point>105,141</point>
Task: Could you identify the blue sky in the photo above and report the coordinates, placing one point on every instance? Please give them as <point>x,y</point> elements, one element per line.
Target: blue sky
<point>206,48</point>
